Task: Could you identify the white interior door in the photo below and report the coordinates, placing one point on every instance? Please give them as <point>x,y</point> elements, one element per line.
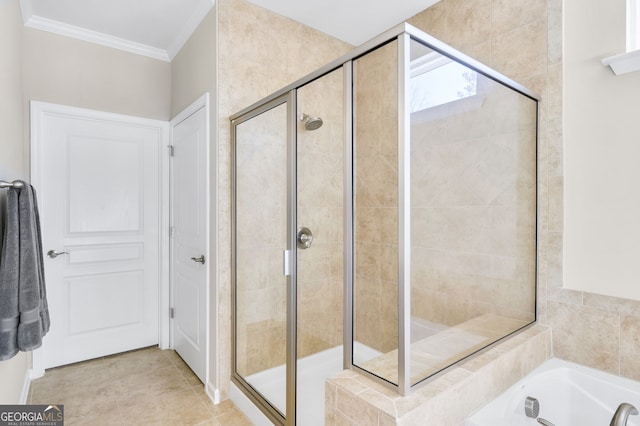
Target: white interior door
<point>190,243</point>
<point>98,178</point>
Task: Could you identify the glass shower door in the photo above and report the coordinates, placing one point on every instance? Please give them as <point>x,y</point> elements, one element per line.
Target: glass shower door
<point>260,237</point>
<point>288,285</point>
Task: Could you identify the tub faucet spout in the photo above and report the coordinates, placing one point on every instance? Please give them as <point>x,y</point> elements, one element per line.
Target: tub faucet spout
<point>622,414</point>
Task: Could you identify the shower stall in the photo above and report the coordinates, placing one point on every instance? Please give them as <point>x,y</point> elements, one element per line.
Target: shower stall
<point>384,221</point>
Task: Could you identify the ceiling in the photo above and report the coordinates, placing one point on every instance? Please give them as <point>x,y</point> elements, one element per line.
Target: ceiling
<point>353,21</point>
<point>159,28</point>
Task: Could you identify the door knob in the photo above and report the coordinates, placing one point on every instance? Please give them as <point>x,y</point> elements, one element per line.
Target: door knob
<point>53,254</point>
<point>198,259</point>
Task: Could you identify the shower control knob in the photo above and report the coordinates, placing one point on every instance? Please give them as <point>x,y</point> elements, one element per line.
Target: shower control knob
<point>304,238</point>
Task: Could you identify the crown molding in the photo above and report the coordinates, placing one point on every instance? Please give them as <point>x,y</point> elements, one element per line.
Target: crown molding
<point>26,8</point>
<point>45,24</point>
<point>84,34</point>
<point>79,33</point>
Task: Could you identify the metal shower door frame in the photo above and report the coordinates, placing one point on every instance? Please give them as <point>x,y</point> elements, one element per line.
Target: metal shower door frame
<point>289,258</point>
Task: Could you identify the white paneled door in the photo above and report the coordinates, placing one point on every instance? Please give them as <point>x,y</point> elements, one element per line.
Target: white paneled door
<point>99,179</point>
<point>189,243</point>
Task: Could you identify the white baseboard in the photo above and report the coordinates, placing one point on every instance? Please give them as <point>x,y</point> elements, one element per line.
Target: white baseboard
<point>24,396</point>
<point>37,363</point>
<point>213,393</point>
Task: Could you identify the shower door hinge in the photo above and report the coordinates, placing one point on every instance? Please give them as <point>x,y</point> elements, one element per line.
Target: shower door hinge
<point>171,151</point>
<point>171,312</point>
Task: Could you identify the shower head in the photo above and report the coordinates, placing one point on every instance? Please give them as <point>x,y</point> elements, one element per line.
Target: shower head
<point>310,123</point>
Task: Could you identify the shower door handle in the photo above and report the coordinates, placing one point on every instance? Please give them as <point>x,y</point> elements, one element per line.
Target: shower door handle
<point>304,238</point>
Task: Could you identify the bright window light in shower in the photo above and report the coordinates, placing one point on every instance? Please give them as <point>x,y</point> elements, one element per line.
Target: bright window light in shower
<point>437,80</point>
<point>633,25</point>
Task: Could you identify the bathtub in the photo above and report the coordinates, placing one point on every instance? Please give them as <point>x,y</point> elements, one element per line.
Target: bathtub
<point>569,395</point>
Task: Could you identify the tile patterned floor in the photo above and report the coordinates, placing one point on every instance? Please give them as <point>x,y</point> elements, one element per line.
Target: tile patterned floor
<point>144,387</point>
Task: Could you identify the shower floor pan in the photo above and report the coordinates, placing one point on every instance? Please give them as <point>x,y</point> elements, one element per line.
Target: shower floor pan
<point>313,370</point>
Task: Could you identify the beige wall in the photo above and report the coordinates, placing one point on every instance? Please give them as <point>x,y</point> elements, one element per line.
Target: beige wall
<point>193,73</point>
<point>71,72</point>
<point>76,73</point>
<point>602,231</point>
<point>12,372</point>
<point>11,146</point>
<point>193,70</point>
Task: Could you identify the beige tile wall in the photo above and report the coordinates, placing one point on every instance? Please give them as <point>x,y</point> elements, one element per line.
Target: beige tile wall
<point>376,198</point>
<point>259,52</point>
<point>602,332</point>
<point>472,188</point>
<point>261,155</point>
<point>473,207</point>
<point>261,182</point>
<point>321,209</point>
<point>523,40</point>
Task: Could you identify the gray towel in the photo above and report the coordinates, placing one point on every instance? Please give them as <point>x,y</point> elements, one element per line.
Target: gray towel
<point>24,315</point>
<point>44,306</point>
<point>9,278</point>
<point>34,314</point>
